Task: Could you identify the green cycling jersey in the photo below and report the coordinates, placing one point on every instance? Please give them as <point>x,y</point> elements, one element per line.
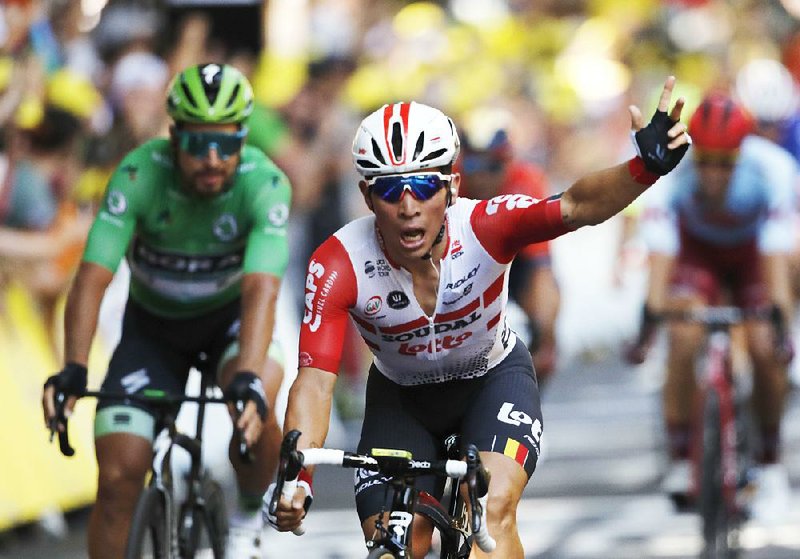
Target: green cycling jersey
<point>187,254</point>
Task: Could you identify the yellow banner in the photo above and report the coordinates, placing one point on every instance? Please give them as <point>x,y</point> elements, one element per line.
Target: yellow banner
<point>36,477</point>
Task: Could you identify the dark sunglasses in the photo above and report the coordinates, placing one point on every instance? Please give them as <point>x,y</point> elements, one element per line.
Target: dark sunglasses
<point>198,144</point>
<point>423,186</point>
<point>715,158</point>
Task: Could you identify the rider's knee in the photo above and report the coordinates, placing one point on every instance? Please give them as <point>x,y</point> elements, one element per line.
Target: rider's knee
<point>501,508</point>
<point>119,477</point>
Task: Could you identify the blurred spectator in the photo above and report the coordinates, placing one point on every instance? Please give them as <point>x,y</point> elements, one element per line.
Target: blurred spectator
<point>127,26</point>
<point>136,92</point>
<point>490,168</point>
<point>41,231</point>
<point>768,91</point>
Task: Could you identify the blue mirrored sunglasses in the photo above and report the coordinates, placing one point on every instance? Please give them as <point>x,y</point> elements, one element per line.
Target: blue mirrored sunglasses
<point>422,186</point>
<point>198,144</point>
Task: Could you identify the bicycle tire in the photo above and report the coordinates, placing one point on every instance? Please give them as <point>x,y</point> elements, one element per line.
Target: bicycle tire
<point>149,532</point>
<point>380,553</point>
<point>716,521</point>
<point>208,524</point>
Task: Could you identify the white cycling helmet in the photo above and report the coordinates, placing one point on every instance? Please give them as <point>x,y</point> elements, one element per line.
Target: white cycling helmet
<point>767,89</point>
<point>403,138</point>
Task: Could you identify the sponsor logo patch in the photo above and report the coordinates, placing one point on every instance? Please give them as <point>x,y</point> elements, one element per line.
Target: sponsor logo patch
<point>225,227</point>
<point>117,203</point>
<point>373,305</point>
<point>397,300</point>
<point>278,214</point>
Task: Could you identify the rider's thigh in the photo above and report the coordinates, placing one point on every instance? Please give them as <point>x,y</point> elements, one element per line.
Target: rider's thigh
<point>685,338</point>
<point>123,459</point>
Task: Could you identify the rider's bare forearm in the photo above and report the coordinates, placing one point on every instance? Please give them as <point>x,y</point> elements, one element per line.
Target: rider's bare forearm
<point>82,310</point>
<point>598,196</point>
<point>309,406</point>
<point>259,298</point>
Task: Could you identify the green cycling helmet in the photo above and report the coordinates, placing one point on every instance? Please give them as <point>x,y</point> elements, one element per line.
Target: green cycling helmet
<point>210,94</point>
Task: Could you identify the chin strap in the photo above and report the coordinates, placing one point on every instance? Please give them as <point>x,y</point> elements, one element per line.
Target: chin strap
<point>440,236</point>
<point>436,241</point>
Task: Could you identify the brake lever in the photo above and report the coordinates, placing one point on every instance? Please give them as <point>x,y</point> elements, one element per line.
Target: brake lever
<point>246,454</point>
<point>286,469</point>
<point>60,418</point>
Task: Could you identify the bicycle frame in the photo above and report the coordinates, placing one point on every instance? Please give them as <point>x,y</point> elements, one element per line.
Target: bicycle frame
<point>180,522</point>
<point>718,377</point>
<point>720,466</point>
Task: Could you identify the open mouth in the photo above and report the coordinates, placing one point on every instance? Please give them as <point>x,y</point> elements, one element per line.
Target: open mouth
<point>412,239</point>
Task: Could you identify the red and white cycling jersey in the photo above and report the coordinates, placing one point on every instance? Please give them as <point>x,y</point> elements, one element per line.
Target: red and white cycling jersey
<point>349,274</point>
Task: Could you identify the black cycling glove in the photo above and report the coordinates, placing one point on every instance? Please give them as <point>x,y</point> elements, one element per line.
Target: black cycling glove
<point>651,145</point>
<point>71,380</point>
<point>247,386</point>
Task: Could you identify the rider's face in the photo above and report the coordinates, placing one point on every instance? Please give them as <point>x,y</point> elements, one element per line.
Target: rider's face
<point>207,156</point>
<point>714,172</point>
<point>409,226</point>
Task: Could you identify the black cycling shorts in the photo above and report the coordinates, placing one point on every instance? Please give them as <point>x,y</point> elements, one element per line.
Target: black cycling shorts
<point>157,353</point>
<point>499,411</point>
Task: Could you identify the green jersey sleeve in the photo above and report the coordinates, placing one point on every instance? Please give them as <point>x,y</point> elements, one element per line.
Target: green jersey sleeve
<point>115,222</point>
<point>267,244</point>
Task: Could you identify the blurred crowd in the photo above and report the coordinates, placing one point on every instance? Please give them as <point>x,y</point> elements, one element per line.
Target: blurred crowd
<point>83,81</point>
<point>543,84</point>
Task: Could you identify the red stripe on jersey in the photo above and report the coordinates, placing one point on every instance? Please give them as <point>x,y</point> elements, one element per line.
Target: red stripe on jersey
<point>463,311</point>
<point>417,323</point>
<point>363,323</point>
<point>493,321</point>
<point>493,291</point>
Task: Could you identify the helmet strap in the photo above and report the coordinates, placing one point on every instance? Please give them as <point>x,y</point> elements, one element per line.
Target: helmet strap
<point>436,241</point>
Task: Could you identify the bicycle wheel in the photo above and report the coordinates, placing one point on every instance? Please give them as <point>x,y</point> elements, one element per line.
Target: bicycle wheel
<point>149,533</point>
<point>380,553</point>
<point>204,523</point>
<point>714,512</point>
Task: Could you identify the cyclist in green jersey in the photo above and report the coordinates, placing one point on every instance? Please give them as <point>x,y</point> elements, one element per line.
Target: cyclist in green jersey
<point>201,220</point>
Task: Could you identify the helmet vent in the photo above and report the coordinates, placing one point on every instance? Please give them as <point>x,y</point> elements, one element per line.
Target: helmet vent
<point>187,93</point>
<point>419,146</point>
<point>397,141</point>
<point>434,154</point>
<point>366,163</point>
<point>233,95</point>
<point>211,93</point>
<point>377,152</point>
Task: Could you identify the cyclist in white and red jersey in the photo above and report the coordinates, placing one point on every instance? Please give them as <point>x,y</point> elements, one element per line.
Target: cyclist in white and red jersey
<point>425,281</point>
<point>719,230</point>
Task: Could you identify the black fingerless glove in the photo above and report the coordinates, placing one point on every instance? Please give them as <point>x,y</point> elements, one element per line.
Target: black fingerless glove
<point>247,386</point>
<point>71,380</point>
<point>651,145</point>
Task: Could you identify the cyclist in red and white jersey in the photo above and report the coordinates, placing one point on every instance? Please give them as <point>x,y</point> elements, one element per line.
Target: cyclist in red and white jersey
<point>425,281</point>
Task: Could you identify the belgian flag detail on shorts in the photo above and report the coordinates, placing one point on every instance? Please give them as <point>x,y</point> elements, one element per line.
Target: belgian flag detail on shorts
<point>516,451</point>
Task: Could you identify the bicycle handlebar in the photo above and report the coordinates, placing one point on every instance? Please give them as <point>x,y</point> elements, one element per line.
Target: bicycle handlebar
<point>154,397</point>
<point>477,477</point>
<point>722,316</point>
